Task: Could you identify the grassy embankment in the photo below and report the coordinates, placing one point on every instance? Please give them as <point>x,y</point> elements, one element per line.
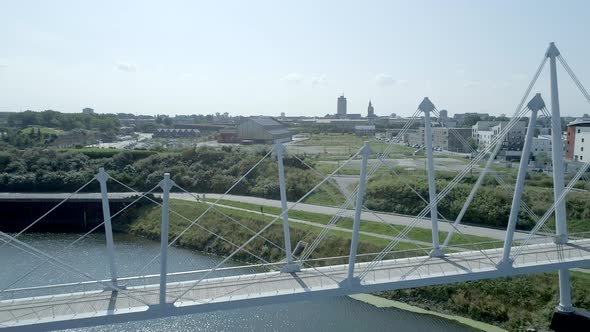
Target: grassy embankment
<point>420,234</point>
<point>512,303</point>
<point>334,146</point>
<point>146,222</point>
<point>516,303</point>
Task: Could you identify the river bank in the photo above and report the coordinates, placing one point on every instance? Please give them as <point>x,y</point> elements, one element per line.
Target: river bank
<point>381,302</point>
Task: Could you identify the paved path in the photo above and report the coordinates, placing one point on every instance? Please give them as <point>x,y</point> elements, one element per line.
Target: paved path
<point>336,228</point>
<point>396,219</point>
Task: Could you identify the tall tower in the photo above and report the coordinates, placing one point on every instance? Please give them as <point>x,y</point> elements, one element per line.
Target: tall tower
<point>341,107</point>
<point>370,110</point>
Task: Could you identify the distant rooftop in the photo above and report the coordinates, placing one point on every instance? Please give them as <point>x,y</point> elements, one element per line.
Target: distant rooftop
<point>364,127</point>
<point>580,122</point>
<point>177,130</point>
<point>266,122</point>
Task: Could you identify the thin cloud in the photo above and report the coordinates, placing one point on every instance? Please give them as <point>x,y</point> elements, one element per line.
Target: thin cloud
<point>318,79</point>
<point>127,67</point>
<point>297,78</point>
<point>385,80</point>
<point>292,78</point>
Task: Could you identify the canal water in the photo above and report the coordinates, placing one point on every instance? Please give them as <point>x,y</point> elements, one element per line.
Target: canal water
<point>328,314</point>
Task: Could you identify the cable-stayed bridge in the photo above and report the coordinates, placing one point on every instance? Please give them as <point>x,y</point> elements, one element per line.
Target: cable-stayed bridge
<point>300,275</point>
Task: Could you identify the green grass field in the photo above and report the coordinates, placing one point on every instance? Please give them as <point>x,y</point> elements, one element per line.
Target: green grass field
<point>420,234</point>
<point>44,130</point>
<point>332,144</point>
<point>146,222</point>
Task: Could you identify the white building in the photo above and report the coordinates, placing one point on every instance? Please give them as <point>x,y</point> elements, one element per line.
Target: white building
<point>484,132</point>
<point>578,140</point>
<point>541,144</point>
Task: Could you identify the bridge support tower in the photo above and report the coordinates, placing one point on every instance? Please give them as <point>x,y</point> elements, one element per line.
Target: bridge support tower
<point>565,297</point>
<point>426,107</point>
<point>166,184</point>
<point>351,280</point>
<point>535,105</point>
<point>290,267</point>
<point>102,178</point>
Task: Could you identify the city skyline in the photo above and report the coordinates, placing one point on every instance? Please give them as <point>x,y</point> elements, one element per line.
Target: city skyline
<point>188,58</point>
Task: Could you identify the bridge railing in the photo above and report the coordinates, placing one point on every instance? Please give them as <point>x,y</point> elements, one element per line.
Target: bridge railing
<point>143,280</point>
<point>131,281</point>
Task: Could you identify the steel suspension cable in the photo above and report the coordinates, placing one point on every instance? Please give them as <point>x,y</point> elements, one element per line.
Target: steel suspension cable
<point>552,208</point>
<point>69,268</point>
<point>220,198</point>
<point>488,164</point>
<point>454,225</point>
<point>351,198</point>
<point>418,194</point>
<point>209,208</point>
<point>496,140</point>
<point>365,209</point>
<point>265,263</point>
<point>200,226</point>
<point>574,77</point>
<point>78,239</point>
<point>498,179</point>
<point>232,219</point>
<point>50,210</point>
<point>268,225</point>
<point>327,228</point>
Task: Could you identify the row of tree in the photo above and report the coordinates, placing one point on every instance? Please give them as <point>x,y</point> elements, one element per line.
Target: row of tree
<point>202,170</point>
<point>25,138</point>
<point>65,121</point>
<point>491,205</point>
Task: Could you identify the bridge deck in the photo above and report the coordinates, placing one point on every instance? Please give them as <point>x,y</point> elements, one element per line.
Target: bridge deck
<point>140,302</point>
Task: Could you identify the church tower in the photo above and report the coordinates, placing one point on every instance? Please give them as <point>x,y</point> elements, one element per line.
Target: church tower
<point>370,111</point>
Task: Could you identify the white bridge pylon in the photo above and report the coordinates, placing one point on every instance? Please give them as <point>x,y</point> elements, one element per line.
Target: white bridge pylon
<point>301,276</point>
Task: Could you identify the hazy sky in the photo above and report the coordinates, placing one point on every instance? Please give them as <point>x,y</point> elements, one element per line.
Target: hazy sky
<point>297,57</point>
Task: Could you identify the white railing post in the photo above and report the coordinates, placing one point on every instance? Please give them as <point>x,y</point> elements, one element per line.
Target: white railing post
<point>166,185</point>
<point>565,300</point>
<point>426,107</point>
<point>365,153</point>
<point>534,105</point>
<point>290,266</point>
<point>102,178</point>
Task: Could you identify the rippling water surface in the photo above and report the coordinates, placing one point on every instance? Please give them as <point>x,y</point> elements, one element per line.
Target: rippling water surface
<point>328,314</point>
